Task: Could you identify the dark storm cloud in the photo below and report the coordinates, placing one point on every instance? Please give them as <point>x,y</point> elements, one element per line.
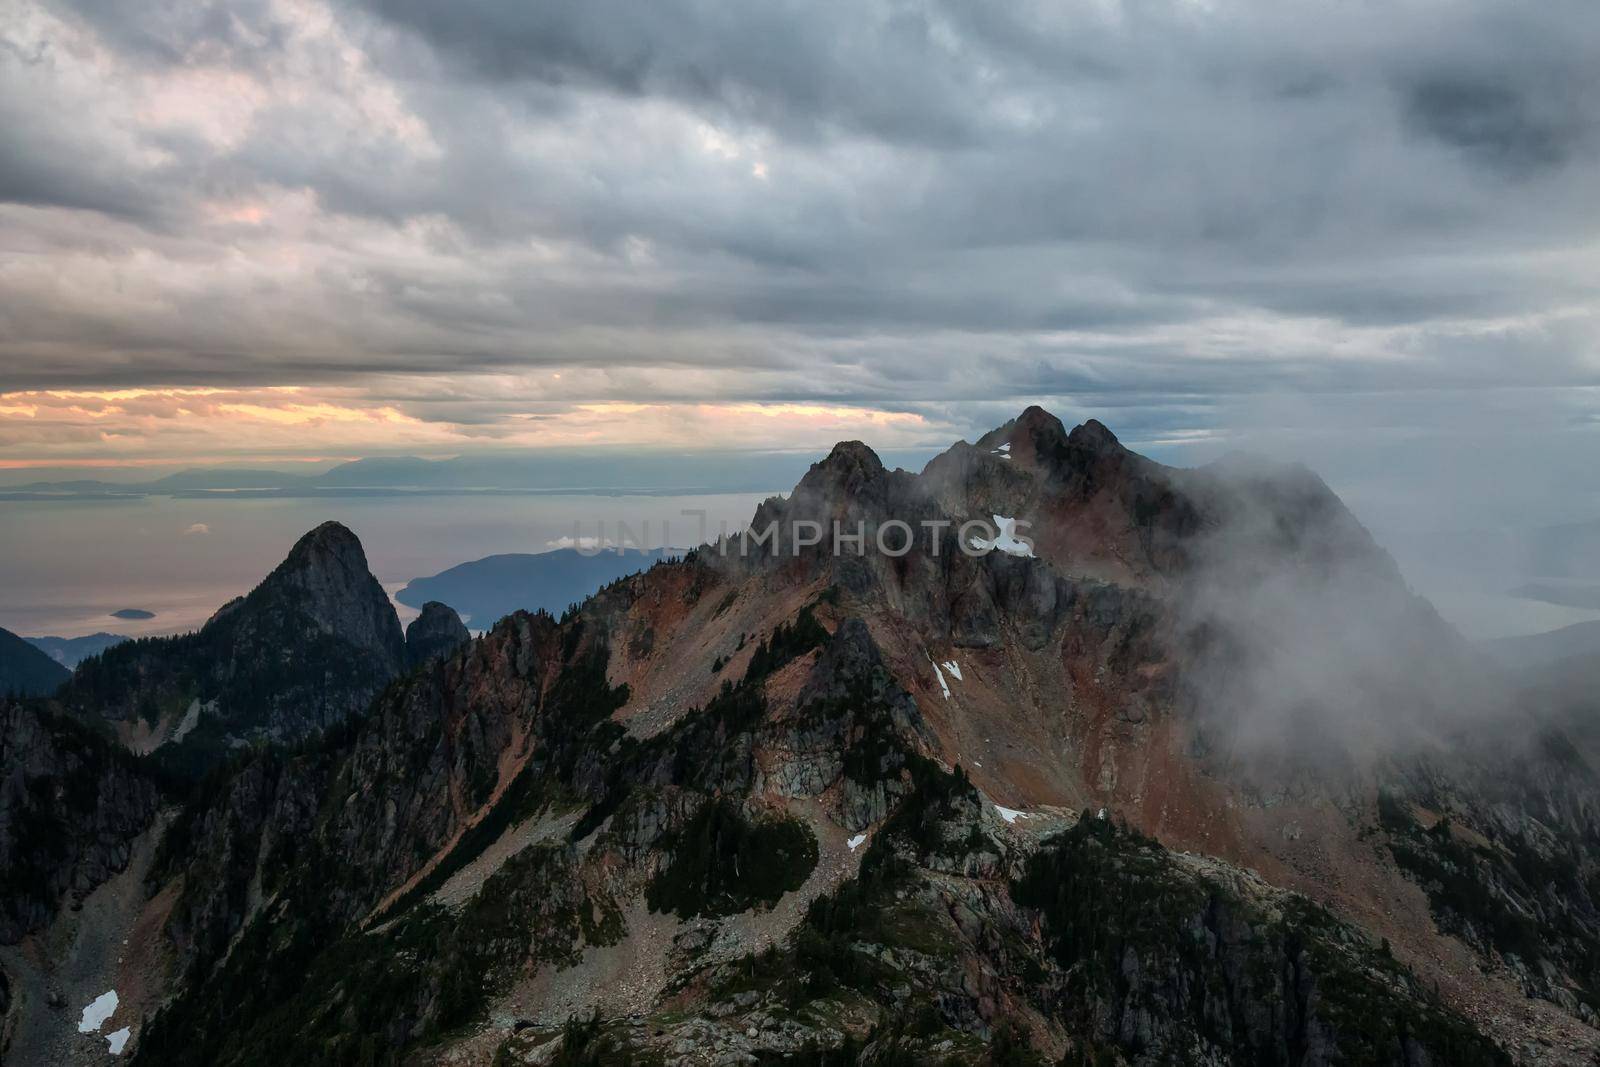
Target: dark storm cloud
<point>175,32</point>
<point>883,70</point>
<point>1494,122</point>
<point>1149,207</point>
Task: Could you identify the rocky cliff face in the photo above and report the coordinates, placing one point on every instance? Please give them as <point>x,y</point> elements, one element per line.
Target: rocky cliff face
<point>71,804</point>
<point>434,632</point>
<point>1134,792</point>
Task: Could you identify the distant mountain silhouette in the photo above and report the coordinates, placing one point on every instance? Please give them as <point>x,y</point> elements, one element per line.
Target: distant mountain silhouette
<point>25,670</point>
<point>71,651</point>
<point>491,588</point>
<point>1541,650</point>
<point>654,472</point>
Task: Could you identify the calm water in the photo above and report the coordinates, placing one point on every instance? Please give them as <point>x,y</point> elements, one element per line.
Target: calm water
<point>65,565</point>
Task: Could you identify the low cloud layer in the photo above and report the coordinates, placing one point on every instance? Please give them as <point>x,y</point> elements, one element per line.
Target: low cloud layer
<point>494,223</point>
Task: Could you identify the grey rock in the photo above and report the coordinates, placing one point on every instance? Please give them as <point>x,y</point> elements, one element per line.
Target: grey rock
<point>437,631</point>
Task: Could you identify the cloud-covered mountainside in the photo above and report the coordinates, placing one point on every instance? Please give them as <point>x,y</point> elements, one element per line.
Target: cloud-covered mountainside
<point>1187,776</point>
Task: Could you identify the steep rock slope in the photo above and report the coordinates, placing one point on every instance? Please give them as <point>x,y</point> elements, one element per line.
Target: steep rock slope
<point>306,649</point>
<point>70,805</point>
<point>437,630</point>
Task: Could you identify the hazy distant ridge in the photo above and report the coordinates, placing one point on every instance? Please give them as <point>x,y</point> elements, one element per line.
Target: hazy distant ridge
<point>491,588</point>
<point>720,471</point>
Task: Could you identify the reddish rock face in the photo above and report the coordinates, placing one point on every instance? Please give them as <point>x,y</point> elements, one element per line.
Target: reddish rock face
<point>1154,659</point>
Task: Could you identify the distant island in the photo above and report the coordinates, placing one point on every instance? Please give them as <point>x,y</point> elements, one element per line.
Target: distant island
<point>132,613</point>
<point>488,589</point>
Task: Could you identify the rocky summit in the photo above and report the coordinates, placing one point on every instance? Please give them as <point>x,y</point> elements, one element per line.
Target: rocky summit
<point>436,630</point>
<point>1046,754</point>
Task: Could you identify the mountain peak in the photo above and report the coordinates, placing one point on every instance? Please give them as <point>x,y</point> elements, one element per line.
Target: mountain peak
<point>435,632</point>
<point>328,555</point>
<point>1035,419</point>
<point>1093,436</point>
<point>1035,428</point>
<point>330,540</point>
<point>325,576</point>
<point>852,456</point>
<point>844,473</point>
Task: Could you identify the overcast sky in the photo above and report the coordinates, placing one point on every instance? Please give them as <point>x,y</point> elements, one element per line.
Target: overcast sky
<point>278,229</point>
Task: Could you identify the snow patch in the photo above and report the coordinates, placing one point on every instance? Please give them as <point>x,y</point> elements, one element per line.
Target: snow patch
<point>944,686</point>
<point>1011,814</point>
<point>95,1015</point>
<point>1006,541</point>
<point>855,842</point>
<point>955,672</point>
<point>118,1040</point>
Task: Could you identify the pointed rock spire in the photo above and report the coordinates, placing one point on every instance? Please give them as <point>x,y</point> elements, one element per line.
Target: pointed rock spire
<point>325,576</point>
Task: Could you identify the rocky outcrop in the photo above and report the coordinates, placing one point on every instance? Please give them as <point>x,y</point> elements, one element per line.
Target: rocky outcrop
<point>325,578</point>
<point>70,806</point>
<point>436,631</point>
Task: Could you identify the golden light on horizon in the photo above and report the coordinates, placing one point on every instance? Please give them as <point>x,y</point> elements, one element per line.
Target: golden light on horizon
<point>270,424</point>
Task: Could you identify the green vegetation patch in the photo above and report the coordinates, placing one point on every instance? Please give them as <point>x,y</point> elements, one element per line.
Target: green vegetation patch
<point>724,863</point>
<point>1130,930</point>
<point>788,642</point>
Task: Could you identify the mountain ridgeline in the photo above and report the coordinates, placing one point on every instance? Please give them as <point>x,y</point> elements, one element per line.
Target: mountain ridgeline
<point>1188,776</point>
